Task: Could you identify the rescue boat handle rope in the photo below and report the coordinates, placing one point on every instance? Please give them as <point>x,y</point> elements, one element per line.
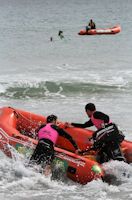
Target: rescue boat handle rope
<point>22,116</point>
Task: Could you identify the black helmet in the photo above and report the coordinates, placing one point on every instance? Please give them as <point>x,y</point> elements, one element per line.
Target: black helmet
<point>51,118</point>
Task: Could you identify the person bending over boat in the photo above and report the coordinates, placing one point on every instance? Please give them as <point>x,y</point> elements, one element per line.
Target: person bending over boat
<point>91,25</point>
<point>107,138</point>
<point>47,136</point>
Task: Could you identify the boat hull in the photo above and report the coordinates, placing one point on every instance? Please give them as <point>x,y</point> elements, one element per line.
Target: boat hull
<point>108,31</point>
<point>15,123</point>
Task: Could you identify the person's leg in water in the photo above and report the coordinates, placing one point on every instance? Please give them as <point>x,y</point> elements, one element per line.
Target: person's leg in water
<point>47,159</point>
<point>47,170</point>
<point>102,156</point>
<point>43,156</point>
<point>36,156</point>
<point>111,151</point>
<point>116,153</point>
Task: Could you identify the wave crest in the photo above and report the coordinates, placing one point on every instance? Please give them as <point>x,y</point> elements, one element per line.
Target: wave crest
<point>45,89</point>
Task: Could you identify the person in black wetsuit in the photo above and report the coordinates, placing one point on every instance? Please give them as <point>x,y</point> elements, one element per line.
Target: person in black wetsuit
<point>91,25</point>
<point>108,143</point>
<point>60,34</point>
<point>48,135</point>
<point>97,118</point>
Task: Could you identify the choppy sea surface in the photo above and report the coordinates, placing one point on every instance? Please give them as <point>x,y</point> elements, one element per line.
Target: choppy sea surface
<point>60,77</point>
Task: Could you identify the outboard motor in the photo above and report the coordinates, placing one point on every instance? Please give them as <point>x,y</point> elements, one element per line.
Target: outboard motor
<point>107,141</point>
<point>110,151</point>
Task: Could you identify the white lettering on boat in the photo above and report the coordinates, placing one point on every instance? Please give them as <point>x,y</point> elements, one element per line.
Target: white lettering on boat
<point>104,31</point>
<point>68,158</point>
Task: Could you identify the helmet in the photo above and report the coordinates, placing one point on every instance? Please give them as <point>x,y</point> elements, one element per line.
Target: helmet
<point>51,118</point>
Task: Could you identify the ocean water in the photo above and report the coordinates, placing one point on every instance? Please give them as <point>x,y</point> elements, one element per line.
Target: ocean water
<point>60,77</point>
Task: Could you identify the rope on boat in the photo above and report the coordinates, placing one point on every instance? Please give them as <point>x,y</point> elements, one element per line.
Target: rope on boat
<point>17,114</point>
<point>34,131</point>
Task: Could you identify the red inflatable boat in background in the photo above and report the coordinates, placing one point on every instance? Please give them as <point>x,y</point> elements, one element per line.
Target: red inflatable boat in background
<point>107,31</point>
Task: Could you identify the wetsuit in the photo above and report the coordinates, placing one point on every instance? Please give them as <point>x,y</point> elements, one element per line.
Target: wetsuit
<point>44,152</point>
<point>96,115</point>
<point>92,25</point>
<point>109,144</point>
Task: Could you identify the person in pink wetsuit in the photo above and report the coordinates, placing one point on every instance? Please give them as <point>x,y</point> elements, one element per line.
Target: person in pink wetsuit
<point>48,135</point>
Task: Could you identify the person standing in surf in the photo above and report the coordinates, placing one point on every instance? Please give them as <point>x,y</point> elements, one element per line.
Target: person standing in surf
<point>107,138</point>
<point>48,135</point>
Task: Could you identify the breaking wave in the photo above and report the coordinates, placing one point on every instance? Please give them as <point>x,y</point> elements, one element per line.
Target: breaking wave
<point>45,89</point>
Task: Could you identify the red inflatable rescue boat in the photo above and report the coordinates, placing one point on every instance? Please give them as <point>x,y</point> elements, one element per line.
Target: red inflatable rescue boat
<point>17,129</point>
<point>107,31</point>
